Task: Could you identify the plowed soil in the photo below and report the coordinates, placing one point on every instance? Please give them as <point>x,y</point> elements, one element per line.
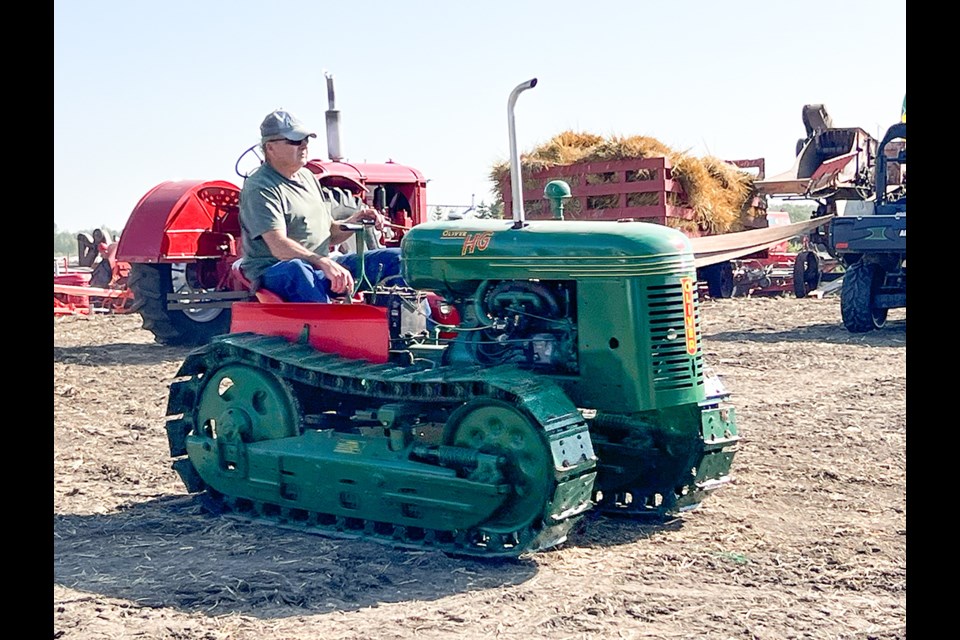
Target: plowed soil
<point>808,542</point>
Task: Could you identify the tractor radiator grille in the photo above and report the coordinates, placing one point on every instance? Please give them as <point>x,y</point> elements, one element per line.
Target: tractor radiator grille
<point>672,367</point>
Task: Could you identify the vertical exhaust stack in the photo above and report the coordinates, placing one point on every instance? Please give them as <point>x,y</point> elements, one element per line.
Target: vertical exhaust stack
<point>333,123</point>
<point>516,184</point>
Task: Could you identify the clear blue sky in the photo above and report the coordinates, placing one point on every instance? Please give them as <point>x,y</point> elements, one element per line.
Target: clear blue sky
<point>152,91</point>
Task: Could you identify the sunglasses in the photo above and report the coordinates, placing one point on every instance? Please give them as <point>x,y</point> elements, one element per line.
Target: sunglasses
<point>293,143</point>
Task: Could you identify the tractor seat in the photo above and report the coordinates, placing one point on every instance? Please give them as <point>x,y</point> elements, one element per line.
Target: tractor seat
<point>263,295</point>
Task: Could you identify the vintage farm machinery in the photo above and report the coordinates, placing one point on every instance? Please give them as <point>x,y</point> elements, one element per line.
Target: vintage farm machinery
<point>96,284</point>
<point>182,238</point>
<point>784,269</point>
<point>574,380</point>
<point>643,189</point>
<point>859,184</point>
<point>741,248</point>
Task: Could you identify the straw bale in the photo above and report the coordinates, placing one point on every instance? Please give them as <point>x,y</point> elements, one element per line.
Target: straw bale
<point>720,194</point>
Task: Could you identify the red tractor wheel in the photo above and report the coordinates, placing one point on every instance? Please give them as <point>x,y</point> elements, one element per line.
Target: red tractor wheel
<point>151,283</point>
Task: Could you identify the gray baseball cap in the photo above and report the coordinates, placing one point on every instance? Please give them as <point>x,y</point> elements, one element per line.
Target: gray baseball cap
<point>280,124</point>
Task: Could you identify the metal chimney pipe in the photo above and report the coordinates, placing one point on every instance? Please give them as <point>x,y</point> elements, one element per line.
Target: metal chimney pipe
<point>333,123</point>
<point>516,184</point>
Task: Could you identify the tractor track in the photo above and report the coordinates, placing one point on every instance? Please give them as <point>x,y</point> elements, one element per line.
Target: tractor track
<point>565,430</point>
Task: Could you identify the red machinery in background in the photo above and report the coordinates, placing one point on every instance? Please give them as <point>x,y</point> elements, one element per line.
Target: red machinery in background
<point>182,239</point>
<point>783,269</point>
<point>97,283</point>
<point>832,164</point>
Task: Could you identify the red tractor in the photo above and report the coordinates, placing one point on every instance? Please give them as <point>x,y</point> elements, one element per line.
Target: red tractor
<point>182,239</point>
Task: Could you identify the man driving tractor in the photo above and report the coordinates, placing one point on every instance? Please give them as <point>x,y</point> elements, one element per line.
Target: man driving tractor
<point>289,221</point>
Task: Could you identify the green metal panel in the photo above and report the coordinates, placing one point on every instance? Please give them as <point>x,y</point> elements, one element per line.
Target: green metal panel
<point>633,331</point>
<point>453,257</point>
<point>632,353</point>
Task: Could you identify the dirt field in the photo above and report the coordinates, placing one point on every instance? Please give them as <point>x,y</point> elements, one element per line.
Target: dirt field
<point>809,542</point>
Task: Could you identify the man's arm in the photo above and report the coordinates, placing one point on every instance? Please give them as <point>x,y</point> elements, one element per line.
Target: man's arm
<point>283,248</point>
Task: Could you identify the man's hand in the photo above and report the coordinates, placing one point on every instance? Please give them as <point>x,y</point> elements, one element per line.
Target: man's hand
<point>341,280</point>
<point>367,214</point>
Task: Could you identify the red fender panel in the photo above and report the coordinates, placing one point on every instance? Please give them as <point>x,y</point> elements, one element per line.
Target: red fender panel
<point>177,221</point>
<point>356,331</point>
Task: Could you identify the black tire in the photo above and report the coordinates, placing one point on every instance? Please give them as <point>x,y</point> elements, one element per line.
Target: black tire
<point>861,282</point>
<point>719,279</point>
<point>806,273</point>
<point>150,284</point>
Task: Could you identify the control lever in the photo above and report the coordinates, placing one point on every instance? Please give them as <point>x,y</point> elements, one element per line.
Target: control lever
<point>359,230</point>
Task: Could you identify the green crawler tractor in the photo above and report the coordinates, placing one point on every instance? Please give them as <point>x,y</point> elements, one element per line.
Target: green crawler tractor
<point>574,379</point>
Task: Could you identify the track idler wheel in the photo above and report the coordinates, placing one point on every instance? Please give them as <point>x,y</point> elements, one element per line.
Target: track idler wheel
<point>238,405</point>
<point>498,428</point>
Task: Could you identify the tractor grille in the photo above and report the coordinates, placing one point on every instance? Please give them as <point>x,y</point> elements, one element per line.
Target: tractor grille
<point>672,367</point>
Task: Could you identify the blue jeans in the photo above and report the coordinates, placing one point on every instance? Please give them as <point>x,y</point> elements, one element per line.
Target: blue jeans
<point>298,281</point>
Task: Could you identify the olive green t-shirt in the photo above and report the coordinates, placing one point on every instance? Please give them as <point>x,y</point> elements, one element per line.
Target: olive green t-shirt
<point>300,205</point>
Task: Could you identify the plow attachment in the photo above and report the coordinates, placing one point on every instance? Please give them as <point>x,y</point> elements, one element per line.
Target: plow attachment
<point>80,300</point>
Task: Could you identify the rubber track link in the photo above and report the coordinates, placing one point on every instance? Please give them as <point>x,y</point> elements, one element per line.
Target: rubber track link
<point>565,429</point>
